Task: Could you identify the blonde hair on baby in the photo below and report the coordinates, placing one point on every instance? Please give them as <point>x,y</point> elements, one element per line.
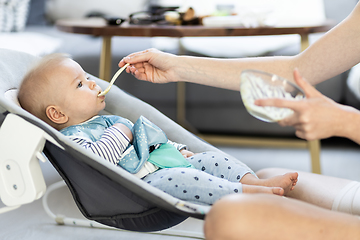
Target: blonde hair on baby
<point>34,89</point>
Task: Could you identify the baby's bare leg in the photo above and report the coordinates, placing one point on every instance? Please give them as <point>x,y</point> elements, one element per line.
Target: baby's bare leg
<point>286,181</point>
<point>264,216</point>
<point>261,189</point>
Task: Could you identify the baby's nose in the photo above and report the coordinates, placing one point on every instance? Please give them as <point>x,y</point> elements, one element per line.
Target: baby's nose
<point>92,84</point>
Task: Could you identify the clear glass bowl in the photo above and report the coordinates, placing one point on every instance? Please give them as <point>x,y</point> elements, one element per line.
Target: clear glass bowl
<point>256,84</point>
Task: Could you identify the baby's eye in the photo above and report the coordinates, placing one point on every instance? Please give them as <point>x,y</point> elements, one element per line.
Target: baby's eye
<point>79,85</point>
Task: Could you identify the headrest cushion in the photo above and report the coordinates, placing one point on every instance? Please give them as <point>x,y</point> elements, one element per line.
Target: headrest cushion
<point>11,95</point>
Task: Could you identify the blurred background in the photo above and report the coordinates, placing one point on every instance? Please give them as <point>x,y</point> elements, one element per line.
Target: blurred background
<point>29,26</point>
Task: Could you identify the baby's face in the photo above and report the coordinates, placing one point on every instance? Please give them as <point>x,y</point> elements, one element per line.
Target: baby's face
<point>77,96</point>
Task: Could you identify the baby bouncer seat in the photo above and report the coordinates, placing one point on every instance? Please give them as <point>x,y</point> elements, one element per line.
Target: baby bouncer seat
<point>103,192</point>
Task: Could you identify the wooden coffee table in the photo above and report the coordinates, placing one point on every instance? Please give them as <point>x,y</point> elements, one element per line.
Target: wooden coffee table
<point>98,27</point>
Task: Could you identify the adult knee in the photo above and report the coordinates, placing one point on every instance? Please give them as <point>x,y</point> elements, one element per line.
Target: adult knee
<point>348,199</point>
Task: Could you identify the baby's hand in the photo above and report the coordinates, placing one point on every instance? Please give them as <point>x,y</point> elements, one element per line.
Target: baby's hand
<point>186,153</point>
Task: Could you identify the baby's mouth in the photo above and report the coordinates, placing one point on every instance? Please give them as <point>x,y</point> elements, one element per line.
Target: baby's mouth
<point>102,97</point>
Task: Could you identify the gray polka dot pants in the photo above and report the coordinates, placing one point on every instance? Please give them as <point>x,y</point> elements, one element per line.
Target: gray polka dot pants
<point>215,175</point>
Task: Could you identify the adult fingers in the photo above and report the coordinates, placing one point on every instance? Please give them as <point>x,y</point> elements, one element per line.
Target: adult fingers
<point>141,75</point>
<point>304,132</point>
<point>137,57</point>
<point>301,134</point>
<point>292,120</point>
<point>295,105</point>
<point>134,63</point>
<point>309,90</point>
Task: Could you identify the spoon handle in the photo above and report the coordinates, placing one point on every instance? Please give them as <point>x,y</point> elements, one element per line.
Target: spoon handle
<point>116,75</point>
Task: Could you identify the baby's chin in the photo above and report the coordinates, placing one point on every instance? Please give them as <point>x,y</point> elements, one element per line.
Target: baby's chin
<point>103,105</point>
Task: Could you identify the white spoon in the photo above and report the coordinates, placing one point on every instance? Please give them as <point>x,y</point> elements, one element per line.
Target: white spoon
<point>116,75</point>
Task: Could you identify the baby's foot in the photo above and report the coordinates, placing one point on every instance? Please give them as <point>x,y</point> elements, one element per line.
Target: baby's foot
<point>260,189</point>
<point>286,181</point>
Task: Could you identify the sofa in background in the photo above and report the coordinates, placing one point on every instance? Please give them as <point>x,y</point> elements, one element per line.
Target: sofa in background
<point>209,110</point>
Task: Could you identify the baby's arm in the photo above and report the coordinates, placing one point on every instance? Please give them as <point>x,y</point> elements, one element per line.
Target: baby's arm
<point>110,146</point>
<point>125,130</point>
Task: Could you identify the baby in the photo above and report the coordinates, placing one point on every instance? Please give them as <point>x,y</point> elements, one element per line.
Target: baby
<point>58,91</point>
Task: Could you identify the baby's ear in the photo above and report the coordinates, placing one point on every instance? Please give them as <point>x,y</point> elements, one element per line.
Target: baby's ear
<point>55,115</point>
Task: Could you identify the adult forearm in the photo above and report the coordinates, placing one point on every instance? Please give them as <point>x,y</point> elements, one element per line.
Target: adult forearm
<point>225,73</point>
<point>328,57</point>
<point>337,51</point>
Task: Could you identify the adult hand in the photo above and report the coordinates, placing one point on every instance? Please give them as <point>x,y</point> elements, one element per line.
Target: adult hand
<point>151,65</point>
<point>315,117</point>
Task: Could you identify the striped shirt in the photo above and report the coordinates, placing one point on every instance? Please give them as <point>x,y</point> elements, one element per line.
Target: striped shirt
<point>110,146</point>
<point>107,141</point>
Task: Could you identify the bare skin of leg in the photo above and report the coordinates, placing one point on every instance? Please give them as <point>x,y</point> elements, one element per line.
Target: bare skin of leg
<point>270,217</point>
<point>313,188</point>
<point>261,189</point>
<point>285,181</point>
